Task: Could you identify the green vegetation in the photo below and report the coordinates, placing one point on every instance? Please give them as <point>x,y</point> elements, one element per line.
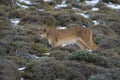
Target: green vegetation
<point>39,48</point>
<point>97,39</point>
<point>90,57</point>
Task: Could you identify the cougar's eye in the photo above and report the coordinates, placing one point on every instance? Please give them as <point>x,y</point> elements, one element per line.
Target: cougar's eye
<point>40,33</point>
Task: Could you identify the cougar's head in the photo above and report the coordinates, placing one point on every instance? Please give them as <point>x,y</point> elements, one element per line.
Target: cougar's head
<point>42,33</point>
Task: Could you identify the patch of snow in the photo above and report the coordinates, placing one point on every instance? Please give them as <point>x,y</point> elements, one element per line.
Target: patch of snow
<point>62,5</point>
<point>95,22</point>
<point>95,9</point>
<point>113,6</point>
<point>74,8</point>
<point>59,6</point>
<point>36,57</point>
<point>84,26</point>
<point>85,15</point>
<point>59,27</point>
<point>21,69</point>
<point>15,21</point>
<point>22,78</point>
<point>22,6</point>
<point>26,1</point>
<point>63,2</point>
<point>41,10</point>
<point>68,43</point>
<point>47,53</point>
<point>92,2</point>
<point>64,45</point>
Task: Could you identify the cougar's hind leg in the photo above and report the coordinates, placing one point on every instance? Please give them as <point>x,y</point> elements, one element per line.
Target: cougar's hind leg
<point>81,45</point>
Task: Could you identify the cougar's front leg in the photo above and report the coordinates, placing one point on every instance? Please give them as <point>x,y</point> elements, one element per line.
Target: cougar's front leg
<point>81,45</point>
<point>55,44</point>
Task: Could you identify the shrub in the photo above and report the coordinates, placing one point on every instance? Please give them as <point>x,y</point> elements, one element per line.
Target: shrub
<point>19,61</point>
<point>110,52</point>
<point>51,70</point>
<point>115,26</point>
<point>64,19</point>
<point>115,60</point>
<point>8,70</point>
<point>21,38</point>
<point>70,48</point>
<point>104,17</point>
<point>110,75</point>
<point>97,39</point>
<point>39,48</point>
<point>90,58</point>
<point>59,55</point>
<point>14,14</point>
<point>46,68</point>
<point>113,1</point>
<point>40,18</point>
<point>2,53</point>
<point>8,2</point>
<point>100,77</point>
<point>108,43</point>
<point>5,48</point>
<point>103,31</point>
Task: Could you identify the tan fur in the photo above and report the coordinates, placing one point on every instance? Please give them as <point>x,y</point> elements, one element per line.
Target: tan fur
<point>79,35</point>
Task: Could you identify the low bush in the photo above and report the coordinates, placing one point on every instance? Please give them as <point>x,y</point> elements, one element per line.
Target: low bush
<point>108,43</point>
<point>19,61</point>
<point>110,52</point>
<point>8,70</point>
<point>103,31</point>
<point>46,68</point>
<point>51,70</point>
<point>39,48</point>
<point>59,55</point>
<point>115,26</point>
<point>97,39</point>
<point>110,75</point>
<point>90,58</point>
<point>65,19</point>
<point>113,1</point>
